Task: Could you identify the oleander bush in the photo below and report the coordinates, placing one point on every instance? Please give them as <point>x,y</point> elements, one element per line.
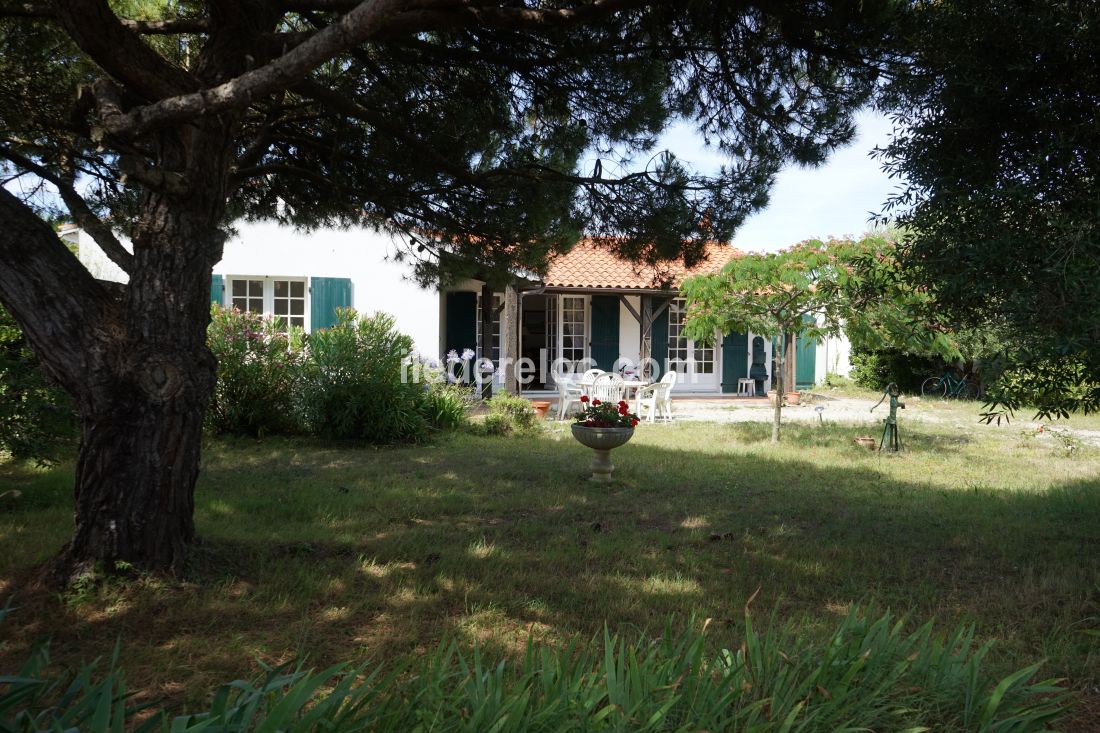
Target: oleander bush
<point>259,374</point>
<point>353,386</point>
<point>348,382</point>
<point>869,674</point>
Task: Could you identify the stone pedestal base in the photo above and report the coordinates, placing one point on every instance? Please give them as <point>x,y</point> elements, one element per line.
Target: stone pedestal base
<point>601,466</point>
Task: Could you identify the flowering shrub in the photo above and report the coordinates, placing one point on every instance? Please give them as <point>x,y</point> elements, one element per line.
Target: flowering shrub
<point>352,385</point>
<point>597,414</point>
<point>465,366</point>
<point>259,372</point>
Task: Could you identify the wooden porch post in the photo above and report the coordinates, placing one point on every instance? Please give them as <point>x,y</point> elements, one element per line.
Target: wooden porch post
<point>509,338</point>
<point>789,364</point>
<point>486,346</point>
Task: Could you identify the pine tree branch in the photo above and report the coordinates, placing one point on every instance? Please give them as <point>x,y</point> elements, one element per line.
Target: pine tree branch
<point>367,19</point>
<point>61,308</point>
<point>82,213</point>
<point>119,51</point>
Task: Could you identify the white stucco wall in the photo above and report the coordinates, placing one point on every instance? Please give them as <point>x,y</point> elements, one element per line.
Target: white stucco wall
<point>93,258</point>
<point>269,250</point>
<point>833,356</point>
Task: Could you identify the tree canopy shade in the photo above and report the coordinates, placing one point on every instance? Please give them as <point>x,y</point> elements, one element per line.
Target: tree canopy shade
<point>496,131</point>
<point>998,144</point>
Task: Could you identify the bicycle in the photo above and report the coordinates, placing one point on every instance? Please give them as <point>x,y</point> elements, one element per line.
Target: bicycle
<point>948,385</point>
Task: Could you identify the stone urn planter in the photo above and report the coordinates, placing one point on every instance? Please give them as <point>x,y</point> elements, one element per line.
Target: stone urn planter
<point>601,441</point>
<point>542,409</point>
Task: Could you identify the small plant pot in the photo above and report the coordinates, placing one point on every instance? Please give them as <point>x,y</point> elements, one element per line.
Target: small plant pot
<point>794,398</point>
<point>602,441</point>
<point>867,442</point>
<point>542,409</point>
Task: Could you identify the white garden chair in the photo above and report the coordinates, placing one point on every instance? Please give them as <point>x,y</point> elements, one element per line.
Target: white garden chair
<point>657,398</point>
<point>568,393</point>
<point>606,387</point>
<point>589,376</point>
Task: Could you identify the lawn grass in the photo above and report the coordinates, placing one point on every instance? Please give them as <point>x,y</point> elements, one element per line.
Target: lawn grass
<point>343,553</point>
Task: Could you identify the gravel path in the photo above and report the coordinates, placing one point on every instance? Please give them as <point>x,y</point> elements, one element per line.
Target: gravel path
<point>855,411</point>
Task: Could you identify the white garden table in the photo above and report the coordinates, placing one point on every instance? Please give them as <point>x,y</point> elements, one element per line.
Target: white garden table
<point>631,387</point>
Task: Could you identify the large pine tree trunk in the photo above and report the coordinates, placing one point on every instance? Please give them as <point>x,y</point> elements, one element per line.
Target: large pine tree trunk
<point>134,358</point>
<point>137,466</point>
<point>142,408</point>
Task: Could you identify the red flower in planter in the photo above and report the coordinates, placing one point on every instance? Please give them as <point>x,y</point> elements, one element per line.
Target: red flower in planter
<point>598,414</point>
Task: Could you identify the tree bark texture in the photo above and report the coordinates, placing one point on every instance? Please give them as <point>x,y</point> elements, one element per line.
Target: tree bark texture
<point>137,366</point>
<point>780,387</point>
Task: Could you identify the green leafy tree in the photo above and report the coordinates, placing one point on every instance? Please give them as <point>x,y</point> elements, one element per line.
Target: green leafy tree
<point>810,291</point>
<point>503,128</point>
<point>998,146</point>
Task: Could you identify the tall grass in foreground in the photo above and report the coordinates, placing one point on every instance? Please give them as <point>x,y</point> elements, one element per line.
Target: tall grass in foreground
<point>869,674</point>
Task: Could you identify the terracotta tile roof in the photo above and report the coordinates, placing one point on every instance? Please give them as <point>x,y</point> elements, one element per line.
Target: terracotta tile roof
<point>588,265</point>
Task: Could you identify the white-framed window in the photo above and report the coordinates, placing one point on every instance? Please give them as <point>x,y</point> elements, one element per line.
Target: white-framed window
<point>574,328</point>
<point>247,295</point>
<point>684,354</point>
<point>289,301</point>
<point>283,298</point>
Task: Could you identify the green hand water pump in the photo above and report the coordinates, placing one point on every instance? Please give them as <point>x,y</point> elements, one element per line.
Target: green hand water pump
<point>891,441</point>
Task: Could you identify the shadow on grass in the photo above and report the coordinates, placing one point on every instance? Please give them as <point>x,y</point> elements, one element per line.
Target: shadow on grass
<point>915,437</point>
<point>345,553</point>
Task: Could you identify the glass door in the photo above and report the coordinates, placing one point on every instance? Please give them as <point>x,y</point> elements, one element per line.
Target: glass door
<point>695,361</point>
<point>566,334</point>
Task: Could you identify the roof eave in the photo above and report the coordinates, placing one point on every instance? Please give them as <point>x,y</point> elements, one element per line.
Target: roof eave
<point>610,290</point>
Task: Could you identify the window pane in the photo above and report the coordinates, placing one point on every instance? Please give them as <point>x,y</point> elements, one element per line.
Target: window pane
<point>297,307</point>
<point>280,307</point>
<point>300,322</point>
<point>240,303</point>
<point>256,288</point>
<point>297,289</point>
<point>239,288</point>
<point>281,288</point>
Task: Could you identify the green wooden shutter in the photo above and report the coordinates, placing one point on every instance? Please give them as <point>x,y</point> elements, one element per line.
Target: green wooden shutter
<point>217,289</point>
<point>326,294</point>
<point>805,365</point>
<point>604,348</point>
<point>735,360</point>
<point>460,322</point>
<point>659,342</point>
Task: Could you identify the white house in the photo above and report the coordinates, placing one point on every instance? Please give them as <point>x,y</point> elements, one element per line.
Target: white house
<point>590,306</point>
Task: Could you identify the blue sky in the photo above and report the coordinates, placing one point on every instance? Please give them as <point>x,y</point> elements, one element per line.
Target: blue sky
<point>835,199</point>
